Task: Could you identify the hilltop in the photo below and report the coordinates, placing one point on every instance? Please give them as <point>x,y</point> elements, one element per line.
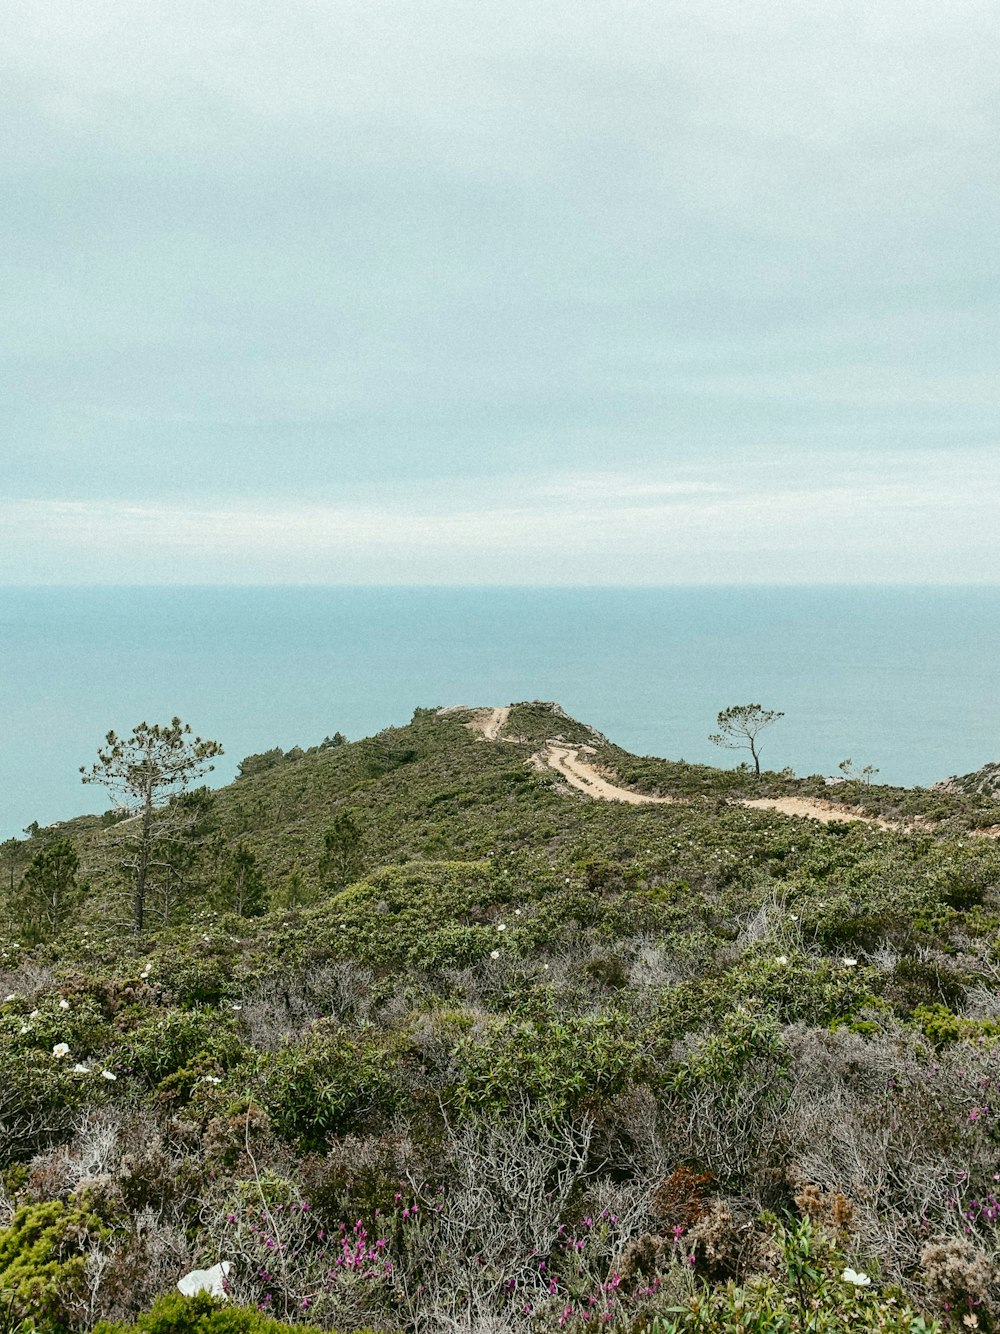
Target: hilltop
<point>533,1028</point>
<point>984,782</point>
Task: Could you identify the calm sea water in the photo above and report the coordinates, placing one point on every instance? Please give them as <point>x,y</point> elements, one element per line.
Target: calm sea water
<point>904,679</point>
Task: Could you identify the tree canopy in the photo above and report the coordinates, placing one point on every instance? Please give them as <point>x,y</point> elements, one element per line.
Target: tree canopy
<point>156,762</point>
<point>740,725</point>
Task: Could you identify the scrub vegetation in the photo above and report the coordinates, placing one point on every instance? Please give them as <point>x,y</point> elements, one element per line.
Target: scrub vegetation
<point>417,1038</point>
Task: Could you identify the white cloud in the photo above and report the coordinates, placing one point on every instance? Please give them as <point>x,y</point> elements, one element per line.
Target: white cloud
<point>902,517</point>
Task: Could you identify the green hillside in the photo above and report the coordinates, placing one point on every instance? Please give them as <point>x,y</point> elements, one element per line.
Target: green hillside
<point>419,1036</point>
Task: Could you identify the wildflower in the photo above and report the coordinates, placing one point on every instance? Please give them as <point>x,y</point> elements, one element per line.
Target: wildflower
<point>854,1276</point>
<point>12,996</point>
<point>211,1280</point>
<point>106,1074</point>
<point>971,1321</point>
<point>793,916</point>
<point>494,954</point>
<point>60,1050</point>
<point>782,958</point>
<point>210,1079</point>
<point>33,1014</point>
<point>850,963</point>
<point>80,1069</point>
<point>501,926</point>
<point>63,1003</point>
<point>23,1028</point>
<point>236,1007</point>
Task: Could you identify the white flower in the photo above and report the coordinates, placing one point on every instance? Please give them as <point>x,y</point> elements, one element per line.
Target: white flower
<point>517,912</point>
<point>206,1280</point>
<point>60,1050</point>
<point>782,958</point>
<point>853,1276</point>
<point>79,1069</point>
<point>210,1079</point>
<point>12,996</point>
<point>501,926</point>
<point>236,1007</point>
<point>494,954</point>
<point>545,967</point>
<point>106,1074</point>
<point>24,1028</point>
<point>850,963</point>
<point>63,1003</point>
<point>794,916</point>
<point>33,1014</point>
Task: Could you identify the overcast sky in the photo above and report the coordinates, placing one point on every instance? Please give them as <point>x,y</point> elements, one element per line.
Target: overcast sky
<point>558,291</point>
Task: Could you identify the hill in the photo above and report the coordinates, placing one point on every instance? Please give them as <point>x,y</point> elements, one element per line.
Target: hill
<point>483,1023</point>
<point>985,782</point>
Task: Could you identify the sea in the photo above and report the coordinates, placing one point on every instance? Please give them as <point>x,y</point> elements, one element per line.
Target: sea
<point>902,678</point>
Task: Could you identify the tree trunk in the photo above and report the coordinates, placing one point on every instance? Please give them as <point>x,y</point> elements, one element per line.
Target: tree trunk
<point>143,866</point>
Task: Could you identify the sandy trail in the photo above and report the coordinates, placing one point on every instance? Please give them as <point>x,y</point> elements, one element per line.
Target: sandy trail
<point>495,723</point>
<point>827,812</point>
<point>490,722</point>
<point>566,761</point>
<point>569,763</point>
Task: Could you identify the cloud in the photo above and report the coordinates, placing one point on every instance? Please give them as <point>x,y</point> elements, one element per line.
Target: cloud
<point>275,260</point>
<point>862,520</point>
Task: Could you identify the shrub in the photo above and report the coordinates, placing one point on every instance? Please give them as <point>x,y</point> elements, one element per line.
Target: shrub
<point>203,1314</point>
<point>43,1264</point>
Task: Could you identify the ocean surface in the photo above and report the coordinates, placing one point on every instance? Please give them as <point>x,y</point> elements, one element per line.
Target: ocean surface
<point>901,678</point>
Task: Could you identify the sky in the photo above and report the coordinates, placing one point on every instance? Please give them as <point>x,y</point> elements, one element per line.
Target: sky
<point>531,291</point>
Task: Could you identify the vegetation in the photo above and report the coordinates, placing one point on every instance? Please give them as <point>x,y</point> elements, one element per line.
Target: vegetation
<point>425,1041</point>
<point>739,727</point>
<point>155,761</point>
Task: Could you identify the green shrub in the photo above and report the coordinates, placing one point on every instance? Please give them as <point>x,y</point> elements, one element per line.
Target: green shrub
<point>551,1061</point>
<point>203,1314</point>
<point>42,1264</point>
<point>170,1041</point>
<point>330,1081</point>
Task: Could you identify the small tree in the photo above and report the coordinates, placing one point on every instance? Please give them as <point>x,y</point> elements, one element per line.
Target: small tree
<point>154,763</point>
<point>243,889</point>
<point>343,852</point>
<point>739,727</point>
<point>851,772</point>
<point>49,891</point>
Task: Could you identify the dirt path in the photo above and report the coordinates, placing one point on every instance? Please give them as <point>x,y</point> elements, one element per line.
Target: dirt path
<point>495,723</point>
<point>566,761</point>
<point>490,722</point>
<point>811,808</point>
<point>571,764</point>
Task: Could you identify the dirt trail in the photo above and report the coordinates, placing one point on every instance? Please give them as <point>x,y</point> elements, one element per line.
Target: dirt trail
<point>495,724</point>
<point>490,722</point>
<point>811,808</point>
<point>569,763</point>
<point>565,761</point>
